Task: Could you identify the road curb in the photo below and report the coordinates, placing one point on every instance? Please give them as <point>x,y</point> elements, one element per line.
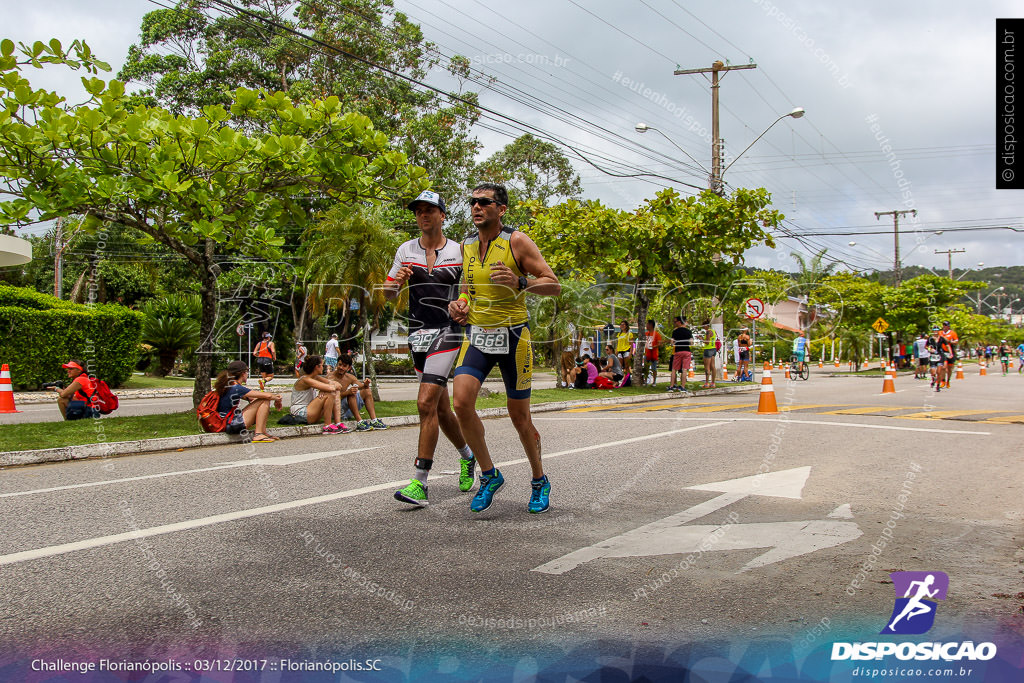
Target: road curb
<point>171,443</point>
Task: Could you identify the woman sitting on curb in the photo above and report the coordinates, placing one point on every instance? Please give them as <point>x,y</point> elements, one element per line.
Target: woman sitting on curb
<point>314,397</point>
<point>230,387</point>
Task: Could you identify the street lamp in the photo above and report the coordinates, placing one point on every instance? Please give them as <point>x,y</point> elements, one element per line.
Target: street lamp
<point>643,128</point>
<point>716,181</point>
<point>797,113</point>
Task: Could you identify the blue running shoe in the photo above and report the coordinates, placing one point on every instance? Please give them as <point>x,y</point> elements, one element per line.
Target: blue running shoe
<point>488,487</point>
<point>539,497</point>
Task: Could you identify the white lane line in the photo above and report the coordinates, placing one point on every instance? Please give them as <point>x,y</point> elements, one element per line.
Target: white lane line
<point>771,419</point>
<point>283,460</point>
<point>26,555</point>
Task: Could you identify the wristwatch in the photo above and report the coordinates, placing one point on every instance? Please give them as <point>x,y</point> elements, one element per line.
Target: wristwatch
<point>523,282</point>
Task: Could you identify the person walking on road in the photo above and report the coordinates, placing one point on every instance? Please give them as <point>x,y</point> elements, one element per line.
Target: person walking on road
<point>501,265</point>
<point>682,357</point>
<point>331,353</point>
<point>950,336</point>
<point>710,350</point>
<point>266,354</point>
<point>300,355</point>
<point>745,345</point>
<point>922,354</point>
<point>652,342</point>
<point>432,267</point>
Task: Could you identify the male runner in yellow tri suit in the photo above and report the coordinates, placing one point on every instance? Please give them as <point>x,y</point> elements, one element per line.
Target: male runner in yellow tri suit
<point>496,262</point>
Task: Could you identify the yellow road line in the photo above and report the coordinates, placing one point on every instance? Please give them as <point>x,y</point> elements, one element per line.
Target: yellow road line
<point>1006,419</point>
<point>942,414</point>
<point>647,409</point>
<point>608,406</point>
<point>866,410</point>
<point>715,408</point>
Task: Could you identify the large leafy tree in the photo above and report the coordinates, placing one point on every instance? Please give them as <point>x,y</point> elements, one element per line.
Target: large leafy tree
<point>531,169</point>
<point>668,241</point>
<point>196,184</point>
<point>363,52</point>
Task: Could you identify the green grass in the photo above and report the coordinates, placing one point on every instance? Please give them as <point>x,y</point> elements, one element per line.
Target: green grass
<point>147,382</point>
<point>29,436</point>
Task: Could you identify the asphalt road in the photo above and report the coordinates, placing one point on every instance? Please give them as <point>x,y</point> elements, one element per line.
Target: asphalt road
<point>298,546</point>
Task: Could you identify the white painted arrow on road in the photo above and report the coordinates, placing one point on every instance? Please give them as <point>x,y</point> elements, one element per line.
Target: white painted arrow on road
<point>668,536</point>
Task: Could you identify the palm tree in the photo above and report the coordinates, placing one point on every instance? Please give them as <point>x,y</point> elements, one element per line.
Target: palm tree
<point>810,275</point>
<point>350,252</point>
<point>171,325</point>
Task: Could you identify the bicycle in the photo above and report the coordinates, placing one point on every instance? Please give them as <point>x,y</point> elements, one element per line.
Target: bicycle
<point>795,372</point>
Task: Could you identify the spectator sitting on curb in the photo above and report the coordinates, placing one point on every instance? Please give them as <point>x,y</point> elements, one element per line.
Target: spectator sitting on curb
<point>584,375</point>
<point>230,387</point>
<point>309,408</point>
<point>358,395</point>
<point>75,400</point>
<point>612,365</point>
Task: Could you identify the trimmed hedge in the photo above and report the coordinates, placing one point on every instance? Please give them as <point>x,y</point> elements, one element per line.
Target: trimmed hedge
<point>42,332</point>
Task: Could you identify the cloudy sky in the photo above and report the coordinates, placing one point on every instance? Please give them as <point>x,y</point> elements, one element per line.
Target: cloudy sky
<point>899,98</point>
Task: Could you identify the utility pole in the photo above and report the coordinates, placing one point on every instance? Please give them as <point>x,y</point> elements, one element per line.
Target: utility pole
<point>949,253</point>
<point>896,236</point>
<point>715,182</point>
<point>58,260</point>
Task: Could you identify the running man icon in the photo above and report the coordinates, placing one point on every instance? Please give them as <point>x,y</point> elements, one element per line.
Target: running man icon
<point>916,593</point>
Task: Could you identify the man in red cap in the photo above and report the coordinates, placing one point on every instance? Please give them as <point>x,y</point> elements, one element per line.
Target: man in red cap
<point>75,400</point>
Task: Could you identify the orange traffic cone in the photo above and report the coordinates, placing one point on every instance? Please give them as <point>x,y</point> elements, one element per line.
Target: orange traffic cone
<point>983,372</point>
<point>821,363</point>
<point>690,375</point>
<point>837,363</point>
<point>725,373</point>
<point>889,386</point>
<point>787,372</point>
<point>6,391</point>
<point>959,369</point>
<point>766,404</point>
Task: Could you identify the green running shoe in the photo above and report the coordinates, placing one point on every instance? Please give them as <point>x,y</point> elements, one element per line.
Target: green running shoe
<point>364,426</point>
<point>414,494</point>
<point>378,424</point>
<point>466,469</point>
<point>539,497</point>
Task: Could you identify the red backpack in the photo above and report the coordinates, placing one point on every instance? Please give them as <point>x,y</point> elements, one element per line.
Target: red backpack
<point>103,399</point>
<point>209,419</point>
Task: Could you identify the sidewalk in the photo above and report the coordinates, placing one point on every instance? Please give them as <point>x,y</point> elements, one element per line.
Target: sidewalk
<point>106,450</point>
<point>396,389</point>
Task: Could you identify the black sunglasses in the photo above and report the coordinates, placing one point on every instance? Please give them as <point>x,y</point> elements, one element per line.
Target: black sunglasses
<point>482,201</point>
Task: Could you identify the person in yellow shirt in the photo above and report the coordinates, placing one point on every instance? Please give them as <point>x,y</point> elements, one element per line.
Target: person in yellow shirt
<point>624,344</point>
<point>500,265</point>
<point>710,351</point>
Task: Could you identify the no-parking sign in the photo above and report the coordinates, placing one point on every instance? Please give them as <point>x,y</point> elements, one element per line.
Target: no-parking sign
<point>755,308</point>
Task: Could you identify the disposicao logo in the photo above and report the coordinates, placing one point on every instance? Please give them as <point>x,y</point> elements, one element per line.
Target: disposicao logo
<point>913,613</point>
<point>916,595</point>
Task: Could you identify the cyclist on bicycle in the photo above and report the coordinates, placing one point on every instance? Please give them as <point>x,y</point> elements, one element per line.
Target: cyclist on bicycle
<point>800,351</point>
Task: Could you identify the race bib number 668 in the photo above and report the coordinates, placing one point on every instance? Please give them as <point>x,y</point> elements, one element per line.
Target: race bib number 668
<point>489,340</point>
